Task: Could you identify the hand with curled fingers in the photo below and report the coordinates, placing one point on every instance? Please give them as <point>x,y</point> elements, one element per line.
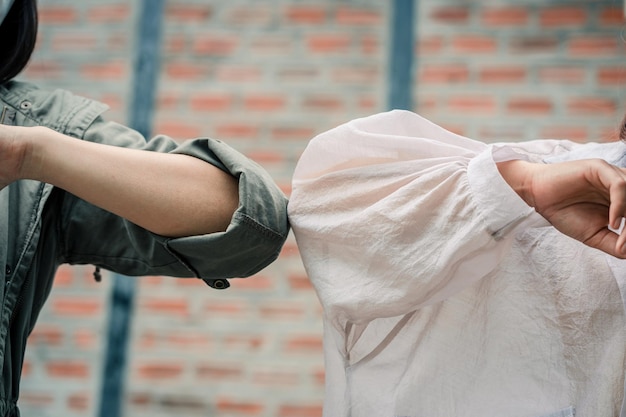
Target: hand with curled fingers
<point>583,199</point>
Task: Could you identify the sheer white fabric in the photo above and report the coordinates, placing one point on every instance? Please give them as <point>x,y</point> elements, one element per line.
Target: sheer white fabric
<point>444,294</point>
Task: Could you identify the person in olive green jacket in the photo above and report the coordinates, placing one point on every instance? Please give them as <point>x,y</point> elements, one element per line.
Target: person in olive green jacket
<point>77,189</point>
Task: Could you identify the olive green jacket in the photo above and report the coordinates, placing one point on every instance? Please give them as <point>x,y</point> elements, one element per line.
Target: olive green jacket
<point>42,226</point>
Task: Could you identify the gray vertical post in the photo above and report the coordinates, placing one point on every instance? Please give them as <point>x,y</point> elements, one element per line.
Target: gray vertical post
<point>145,76</point>
<point>402,54</point>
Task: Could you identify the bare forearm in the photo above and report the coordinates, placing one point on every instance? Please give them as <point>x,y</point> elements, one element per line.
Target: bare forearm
<point>168,194</point>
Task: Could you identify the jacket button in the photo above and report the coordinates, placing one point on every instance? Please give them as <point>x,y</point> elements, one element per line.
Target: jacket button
<point>7,270</point>
<point>25,105</point>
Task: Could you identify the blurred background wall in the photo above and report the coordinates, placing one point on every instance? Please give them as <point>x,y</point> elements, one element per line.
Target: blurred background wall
<point>266,76</point>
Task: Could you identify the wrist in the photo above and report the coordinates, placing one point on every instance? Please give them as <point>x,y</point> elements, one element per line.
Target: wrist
<point>518,174</point>
<point>35,142</point>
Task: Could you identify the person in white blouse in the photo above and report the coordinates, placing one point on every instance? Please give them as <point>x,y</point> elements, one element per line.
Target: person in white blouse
<point>464,279</point>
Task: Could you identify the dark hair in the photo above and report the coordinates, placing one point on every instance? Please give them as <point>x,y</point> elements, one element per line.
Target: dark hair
<point>19,32</point>
<point>622,130</point>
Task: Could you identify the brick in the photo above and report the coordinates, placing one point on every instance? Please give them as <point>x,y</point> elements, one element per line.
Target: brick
<point>219,372</point>
<point>299,75</point>
<point>148,340</point>
<point>67,369</point>
<point>167,100</point>
<point>505,16</point>
<point>54,15</point>
<point>264,157</point>
<point>231,308</point>
<point>64,276</point>
<point>245,343</point>
<point>115,103</point>
<point>369,45</point>
<point>273,378</point>
<point>356,75</point>
<point>309,14</point>
<point>611,76</point>
<point>245,408</point>
<point>44,69</point>
<point>328,43</point>
<point>562,75</point>
<point>368,104</point>
<point>27,368</point>
<point>563,16</point>
<point>80,402</point>
<point>165,305</point>
<point>322,102</point>
<point>86,339</point>
<point>174,43</point>
<point>503,74</point>
<point>300,344</point>
<point>271,45</point>
<point>219,45</point>
<point>76,306</point>
<point>300,410</point>
<point>73,42</point>
<point>430,45</point>
<point>427,104</point>
<point>188,340</point>
<point>319,376</point>
<point>256,283</point>
<point>46,334</point>
<point>534,44</point>
<point>117,42</point>
<point>474,44</point>
<point>108,71</point>
<point>265,102</point>
<point>591,105</point>
<point>178,129</point>
<point>281,310</point>
<point>183,404</point>
<point>299,282</point>
<point>188,13</point>
<point>237,130</point>
<point>33,398</point>
<point>450,14</point>
<point>574,133</point>
<point>190,283</point>
<point>159,370</point>
<point>502,133</point>
<point>109,13</point>
<point>473,103</point>
<point>530,105</point>
<point>186,70</point>
<point>238,73</point>
<point>612,16</point>
<point>592,46</point>
<point>151,280</point>
<point>249,15</point>
<point>211,102</point>
<point>358,16</point>
<point>444,74</point>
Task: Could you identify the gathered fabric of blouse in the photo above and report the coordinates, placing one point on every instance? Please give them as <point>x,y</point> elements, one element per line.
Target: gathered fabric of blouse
<point>444,293</point>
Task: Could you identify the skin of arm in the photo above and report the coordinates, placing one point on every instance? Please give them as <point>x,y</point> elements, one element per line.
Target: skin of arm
<point>579,198</point>
<point>171,195</point>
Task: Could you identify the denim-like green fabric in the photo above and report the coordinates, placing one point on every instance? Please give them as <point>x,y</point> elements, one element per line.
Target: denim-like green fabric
<point>42,226</point>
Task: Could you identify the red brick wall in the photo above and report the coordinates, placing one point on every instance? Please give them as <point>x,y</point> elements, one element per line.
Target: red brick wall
<point>266,76</point>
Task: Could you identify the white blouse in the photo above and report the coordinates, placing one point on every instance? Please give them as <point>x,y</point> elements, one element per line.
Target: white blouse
<point>444,294</point>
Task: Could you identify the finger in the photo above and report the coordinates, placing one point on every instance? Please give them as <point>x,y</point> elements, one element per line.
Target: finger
<point>609,242</point>
<point>614,179</point>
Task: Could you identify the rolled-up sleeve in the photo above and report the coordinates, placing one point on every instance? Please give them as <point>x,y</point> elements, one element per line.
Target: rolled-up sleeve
<point>253,239</point>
